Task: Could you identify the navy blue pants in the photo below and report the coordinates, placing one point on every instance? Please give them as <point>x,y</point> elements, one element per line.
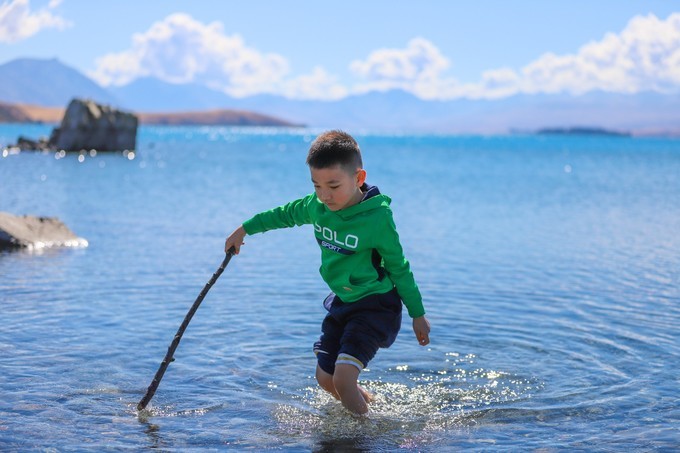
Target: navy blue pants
<point>353,332</point>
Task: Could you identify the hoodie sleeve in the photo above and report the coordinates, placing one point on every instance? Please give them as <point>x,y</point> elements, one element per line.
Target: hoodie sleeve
<point>286,216</point>
<point>397,267</point>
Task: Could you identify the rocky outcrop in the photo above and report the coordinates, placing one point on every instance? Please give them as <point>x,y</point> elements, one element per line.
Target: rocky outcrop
<point>87,125</point>
<point>42,144</point>
<point>35,233</point>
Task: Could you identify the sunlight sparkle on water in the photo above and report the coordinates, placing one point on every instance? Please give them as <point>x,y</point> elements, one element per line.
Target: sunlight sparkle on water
<point>412,411</point>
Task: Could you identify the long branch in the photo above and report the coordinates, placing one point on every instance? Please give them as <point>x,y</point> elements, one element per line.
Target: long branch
<point>169,357</point>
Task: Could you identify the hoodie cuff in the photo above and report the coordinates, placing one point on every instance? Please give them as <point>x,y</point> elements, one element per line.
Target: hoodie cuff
<point>253,226</point>
<point>415,310</point>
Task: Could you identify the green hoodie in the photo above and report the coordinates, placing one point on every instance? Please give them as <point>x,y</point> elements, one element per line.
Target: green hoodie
<point>350,240</point>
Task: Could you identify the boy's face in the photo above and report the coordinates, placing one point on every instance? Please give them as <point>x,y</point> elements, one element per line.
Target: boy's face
<point>337,187</point>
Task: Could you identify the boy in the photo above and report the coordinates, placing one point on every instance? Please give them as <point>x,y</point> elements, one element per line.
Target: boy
<point>361,261</point>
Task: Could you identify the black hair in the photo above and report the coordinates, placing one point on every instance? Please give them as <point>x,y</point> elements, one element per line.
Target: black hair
<point>333,148</point>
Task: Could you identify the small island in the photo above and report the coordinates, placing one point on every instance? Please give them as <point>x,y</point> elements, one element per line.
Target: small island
<point>582,131</point>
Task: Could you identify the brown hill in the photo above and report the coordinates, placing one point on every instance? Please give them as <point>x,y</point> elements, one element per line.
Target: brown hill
<point>214,117</point>
<point>11,114</point>
<point>22,113</point>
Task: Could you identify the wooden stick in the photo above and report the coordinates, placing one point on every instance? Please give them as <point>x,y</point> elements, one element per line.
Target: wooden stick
<point>178,336</point>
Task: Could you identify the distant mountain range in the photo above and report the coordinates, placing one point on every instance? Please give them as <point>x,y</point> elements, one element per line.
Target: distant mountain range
<point>50,83</point>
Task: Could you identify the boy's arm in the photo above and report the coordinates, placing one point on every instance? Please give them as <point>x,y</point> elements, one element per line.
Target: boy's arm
<point>397,267</point>
<point>286,216</point>
<point>399,270</point>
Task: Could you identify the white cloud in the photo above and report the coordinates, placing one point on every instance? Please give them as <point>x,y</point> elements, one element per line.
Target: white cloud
<point>419,59</point>
<point>18,22</point>
<point>418,68</point>
<point>644,56</point>
<point>495,84</point>
<point>180,49</point>
<point>316,85</point>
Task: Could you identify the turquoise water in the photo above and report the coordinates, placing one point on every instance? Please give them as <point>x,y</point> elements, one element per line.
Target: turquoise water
<point>550,268</point>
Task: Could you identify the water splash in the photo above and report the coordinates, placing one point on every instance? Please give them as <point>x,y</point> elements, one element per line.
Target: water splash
<point>39,246</point>
<point>412,407</point>
<point>171,411</point>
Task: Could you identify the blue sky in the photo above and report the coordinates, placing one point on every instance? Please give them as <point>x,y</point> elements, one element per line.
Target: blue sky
<point>328,50</point>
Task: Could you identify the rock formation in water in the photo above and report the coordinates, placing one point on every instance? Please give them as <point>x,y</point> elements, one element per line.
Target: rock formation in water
<point>35,233</point>
<point>87,125</point>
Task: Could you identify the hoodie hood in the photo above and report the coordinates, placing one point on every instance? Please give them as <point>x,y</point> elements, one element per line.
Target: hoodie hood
<point>372,199</point>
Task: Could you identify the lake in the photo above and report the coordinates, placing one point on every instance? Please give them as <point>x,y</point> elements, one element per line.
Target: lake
<point>549,266</point>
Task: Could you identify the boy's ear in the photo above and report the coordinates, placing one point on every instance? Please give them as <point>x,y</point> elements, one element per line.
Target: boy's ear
<point>361,177</point>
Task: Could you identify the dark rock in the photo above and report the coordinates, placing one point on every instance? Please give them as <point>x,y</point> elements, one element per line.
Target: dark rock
<point>35,233</point>
<point>87,125</point>
<point>42,144</point>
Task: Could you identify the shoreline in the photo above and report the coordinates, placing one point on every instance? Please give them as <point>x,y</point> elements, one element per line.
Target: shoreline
<point>39,115</point>
<point>29,113</point>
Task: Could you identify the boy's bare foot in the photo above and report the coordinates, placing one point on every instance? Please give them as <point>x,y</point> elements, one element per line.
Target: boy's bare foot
<point>368,397</point>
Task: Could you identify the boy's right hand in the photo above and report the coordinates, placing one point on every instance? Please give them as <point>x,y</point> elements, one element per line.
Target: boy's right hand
<point>235,240</point>
<point>421,327</point>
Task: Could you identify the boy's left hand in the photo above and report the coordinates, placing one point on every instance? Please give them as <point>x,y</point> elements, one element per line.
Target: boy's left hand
<point>421,327</point>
